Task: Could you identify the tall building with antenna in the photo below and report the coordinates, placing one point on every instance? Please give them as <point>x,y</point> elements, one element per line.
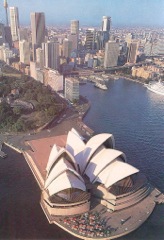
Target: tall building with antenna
<point>6,7</point>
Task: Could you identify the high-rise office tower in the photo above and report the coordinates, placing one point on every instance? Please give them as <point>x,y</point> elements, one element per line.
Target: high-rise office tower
<point>111,54</point>
<point>75,27</point>
<point>51,55</point>
<point>38,28</point>
<point>67,48</point>
<point>14,23</point>
<point>6,7</point>
<point>132,52</point>
<point>74,32</point>
<point>106,26</point>
<point>24,48</point>
<point>90,39</point>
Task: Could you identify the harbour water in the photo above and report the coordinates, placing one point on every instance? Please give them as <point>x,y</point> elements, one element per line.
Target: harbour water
<point>135,116</point>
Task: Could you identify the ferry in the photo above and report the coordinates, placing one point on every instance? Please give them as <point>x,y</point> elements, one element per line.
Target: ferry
<point>157,87</point>
<point>101,86</point>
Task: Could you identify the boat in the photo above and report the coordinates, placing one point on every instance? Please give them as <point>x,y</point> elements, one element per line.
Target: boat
<point>157,87</point>
<point>101,86</point>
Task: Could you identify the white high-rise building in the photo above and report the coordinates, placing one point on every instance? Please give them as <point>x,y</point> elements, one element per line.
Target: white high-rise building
<point>71,89</point>
<point>24,48</point>
<point>111,54</point>
<point>14,23</point>
<point>51,54</point>
<point>106,24</point>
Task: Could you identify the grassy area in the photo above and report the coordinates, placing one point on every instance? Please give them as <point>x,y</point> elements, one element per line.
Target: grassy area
<point>46,105</point>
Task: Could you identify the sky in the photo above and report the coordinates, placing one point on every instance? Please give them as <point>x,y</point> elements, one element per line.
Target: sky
<point>89,12</point>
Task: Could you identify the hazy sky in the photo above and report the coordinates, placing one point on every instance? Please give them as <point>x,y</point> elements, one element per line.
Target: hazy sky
<point>90,12</point>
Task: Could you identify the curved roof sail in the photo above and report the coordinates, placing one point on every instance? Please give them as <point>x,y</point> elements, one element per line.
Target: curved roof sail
<point>92,146</point>
<point>115,172</point>
<point>64,181</point>
<point>55,155</point>
<point>101,160</point>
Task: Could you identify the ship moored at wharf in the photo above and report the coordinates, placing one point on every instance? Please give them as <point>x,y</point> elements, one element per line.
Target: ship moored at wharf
<point>88,188</point>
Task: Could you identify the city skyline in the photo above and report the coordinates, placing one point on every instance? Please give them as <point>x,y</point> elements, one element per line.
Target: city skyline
<point>127,13</point>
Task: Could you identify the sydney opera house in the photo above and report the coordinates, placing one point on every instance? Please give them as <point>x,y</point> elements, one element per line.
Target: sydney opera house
<point>90,190</point>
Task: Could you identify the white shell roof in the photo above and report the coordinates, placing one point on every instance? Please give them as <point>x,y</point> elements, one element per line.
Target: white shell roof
<point>74,143</point>
<point>92,145</point>
<point>52,157</point>
<point>101,160</point>
<point>115,172</point>
<point>100,164</point>
<point>64,181</point>
<point>61,166</point>
<point>55,154</point>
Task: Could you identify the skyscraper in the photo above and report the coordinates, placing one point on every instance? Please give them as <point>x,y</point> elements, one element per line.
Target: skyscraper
<point>74,33</point>
<point>111,54</point>
<point>51,54</point>
<point>75,27</point>
<point>14,23</point>
<point>90,39</point>
<point>132,52</point>
<point>106,26</point>
<point>38,28</point>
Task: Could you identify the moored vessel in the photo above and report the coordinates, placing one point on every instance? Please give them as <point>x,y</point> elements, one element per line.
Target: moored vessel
<point>156,87</point>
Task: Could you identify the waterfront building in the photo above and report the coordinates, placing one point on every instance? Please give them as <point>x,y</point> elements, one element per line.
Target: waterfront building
<point>71,89</point>
<point>132,52</point>
<point>51,55</point>
<point>142,72</point>
<point>55,80</point>
<point>111,54</point>
<point>24,49</point>
<point>38,28</point>
<point>14,23</point>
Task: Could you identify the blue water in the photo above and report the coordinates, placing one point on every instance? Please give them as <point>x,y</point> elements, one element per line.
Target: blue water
<point>135,116</point>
